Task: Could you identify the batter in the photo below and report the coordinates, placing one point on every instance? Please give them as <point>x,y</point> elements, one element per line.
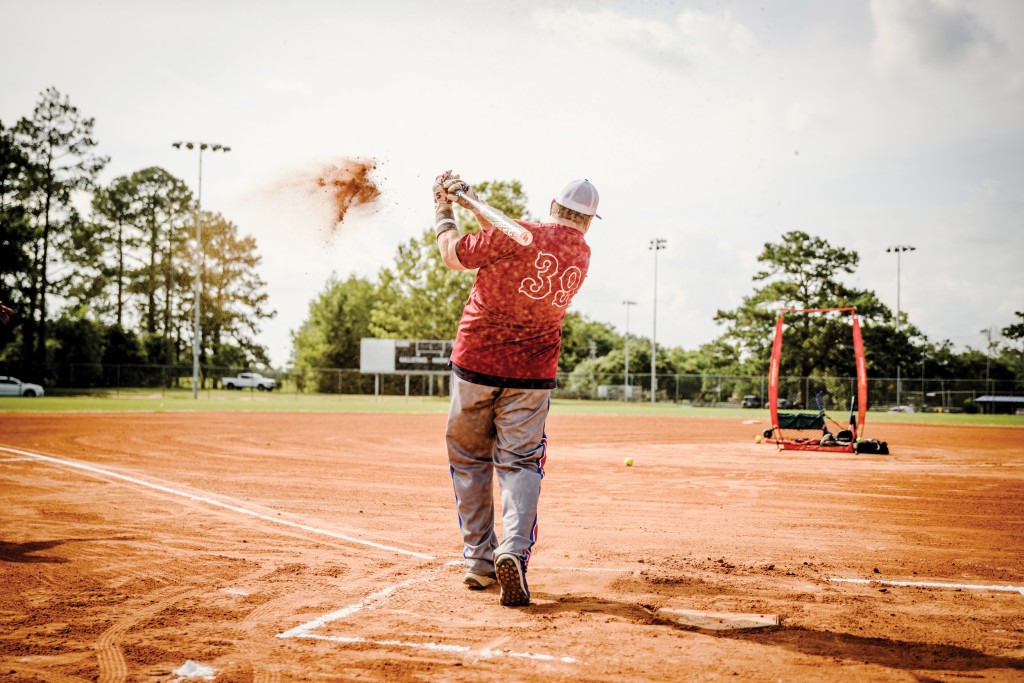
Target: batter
<point>504,365</point>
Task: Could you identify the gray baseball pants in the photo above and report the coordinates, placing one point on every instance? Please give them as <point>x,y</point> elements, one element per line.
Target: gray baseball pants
<point>493,429</point>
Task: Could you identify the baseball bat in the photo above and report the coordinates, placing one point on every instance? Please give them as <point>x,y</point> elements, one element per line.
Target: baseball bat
<point>499,220</point>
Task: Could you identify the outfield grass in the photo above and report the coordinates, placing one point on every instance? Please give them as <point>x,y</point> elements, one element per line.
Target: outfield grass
<point>136,400</point>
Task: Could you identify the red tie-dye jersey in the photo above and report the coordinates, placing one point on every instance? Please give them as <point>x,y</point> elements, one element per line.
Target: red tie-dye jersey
<point>511,326</point>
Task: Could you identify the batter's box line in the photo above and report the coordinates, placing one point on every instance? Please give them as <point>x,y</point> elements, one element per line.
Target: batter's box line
<point>378,598</point>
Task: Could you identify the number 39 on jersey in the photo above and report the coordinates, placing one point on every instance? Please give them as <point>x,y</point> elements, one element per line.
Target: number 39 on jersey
<point>550,281</point>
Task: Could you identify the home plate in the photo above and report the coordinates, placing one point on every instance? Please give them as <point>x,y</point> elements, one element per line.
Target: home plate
<point>719,621</point>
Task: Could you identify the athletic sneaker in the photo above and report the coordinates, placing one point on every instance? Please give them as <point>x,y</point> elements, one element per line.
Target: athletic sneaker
<point>512,579</point>
<point>478,582</point>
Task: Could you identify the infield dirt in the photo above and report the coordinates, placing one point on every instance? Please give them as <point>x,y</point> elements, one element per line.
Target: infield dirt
<point>133,543</point>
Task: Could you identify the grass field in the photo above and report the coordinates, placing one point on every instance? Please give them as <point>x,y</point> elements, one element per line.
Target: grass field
<point>233,401</point>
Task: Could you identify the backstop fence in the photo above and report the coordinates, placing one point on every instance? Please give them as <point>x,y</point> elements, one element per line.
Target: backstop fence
<point>809,393</point>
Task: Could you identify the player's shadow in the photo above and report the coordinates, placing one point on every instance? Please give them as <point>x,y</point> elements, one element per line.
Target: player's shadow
<point>26,552</point>
<point>892,653</point>
<point>895,654</point>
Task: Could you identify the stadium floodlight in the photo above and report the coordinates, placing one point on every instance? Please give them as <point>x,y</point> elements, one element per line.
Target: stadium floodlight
<point>199,254</point>
<point>657,244</point>
<point>627,304</point>
<point>898,250</point>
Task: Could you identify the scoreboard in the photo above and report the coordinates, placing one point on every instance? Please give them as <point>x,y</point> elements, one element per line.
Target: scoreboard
<point>405,356</point>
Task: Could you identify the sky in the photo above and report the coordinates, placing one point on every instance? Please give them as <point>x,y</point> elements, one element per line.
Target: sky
<point>716,126</point>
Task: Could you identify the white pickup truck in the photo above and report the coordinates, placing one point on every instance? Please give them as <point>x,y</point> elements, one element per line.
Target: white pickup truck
<point>248,380</point>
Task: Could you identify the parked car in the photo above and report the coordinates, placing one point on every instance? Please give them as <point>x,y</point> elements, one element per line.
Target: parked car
<point>248,380</point>
<point>901,409</point>
<point>788,403</point>
<point>751,401</point>
<point>12,386</point>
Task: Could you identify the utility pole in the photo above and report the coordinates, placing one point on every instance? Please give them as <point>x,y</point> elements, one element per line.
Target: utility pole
<point>627,304</point>
<point>657,244</point>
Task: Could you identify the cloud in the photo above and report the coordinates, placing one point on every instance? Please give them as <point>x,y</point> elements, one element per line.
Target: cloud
<point>693,37</point>
<point>926,33</point>
<point>801,115</point>
<point>704,34</point>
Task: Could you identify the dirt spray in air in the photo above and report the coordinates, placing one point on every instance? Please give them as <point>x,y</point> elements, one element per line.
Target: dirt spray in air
<point>346,184</point>
<point>321,197</point>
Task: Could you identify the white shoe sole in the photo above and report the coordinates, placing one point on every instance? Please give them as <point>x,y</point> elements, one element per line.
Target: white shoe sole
<point>478,582</point>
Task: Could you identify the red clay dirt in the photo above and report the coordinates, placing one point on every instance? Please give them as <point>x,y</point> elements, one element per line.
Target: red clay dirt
<point>325,547</point>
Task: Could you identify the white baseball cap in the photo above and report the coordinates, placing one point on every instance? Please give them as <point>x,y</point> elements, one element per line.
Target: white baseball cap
<point>581,196</point>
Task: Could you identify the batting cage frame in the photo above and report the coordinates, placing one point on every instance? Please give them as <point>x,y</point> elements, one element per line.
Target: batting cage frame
<point>844,438</point>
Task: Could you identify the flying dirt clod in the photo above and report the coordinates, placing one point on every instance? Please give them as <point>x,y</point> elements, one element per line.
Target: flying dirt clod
<point>347,184</point>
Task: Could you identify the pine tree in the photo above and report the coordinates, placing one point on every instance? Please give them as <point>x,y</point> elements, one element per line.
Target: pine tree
<point>58,142</point>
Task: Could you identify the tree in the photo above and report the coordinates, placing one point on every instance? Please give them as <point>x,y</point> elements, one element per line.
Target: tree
<point>111,206</point>
<point>232,300</point>
<point>78,346</point>
<point>419,297</point>
<point>579,333</point>
<point>1011,356</point>
<point>160,206</point>
<point>802,272</point>
<point>58,142</point>
<point>1015,331</point>
<point>122,355</point>
<point>139,221</point>
<point>15,233</point>
<point>330,337</point>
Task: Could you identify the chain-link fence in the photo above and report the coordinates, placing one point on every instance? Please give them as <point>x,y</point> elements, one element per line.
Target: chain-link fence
<point>829,393</point>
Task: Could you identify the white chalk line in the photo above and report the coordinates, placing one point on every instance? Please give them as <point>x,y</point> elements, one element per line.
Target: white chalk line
<point>378,598</point>
<point>934,584</point>
<point>213,502</point>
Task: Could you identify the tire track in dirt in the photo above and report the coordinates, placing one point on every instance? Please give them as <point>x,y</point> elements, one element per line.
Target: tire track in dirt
<point>39,674</point>
<point>254,650</point>
<point>252,647</point>
<point>113,667</point>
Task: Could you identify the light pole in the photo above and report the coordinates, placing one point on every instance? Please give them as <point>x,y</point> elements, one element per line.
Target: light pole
<point>657,244</point>
<point>627,304</point>
<point>988,359</point>
<point>898,249</point>
<point>201,146</point>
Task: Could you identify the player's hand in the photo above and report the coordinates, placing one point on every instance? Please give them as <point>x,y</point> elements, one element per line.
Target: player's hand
<point>441,200</point>
<point>455,184</point>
